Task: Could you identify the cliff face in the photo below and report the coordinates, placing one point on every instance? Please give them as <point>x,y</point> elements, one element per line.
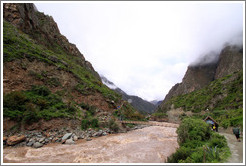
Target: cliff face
<point>229,61</point>
<point>43,29</point>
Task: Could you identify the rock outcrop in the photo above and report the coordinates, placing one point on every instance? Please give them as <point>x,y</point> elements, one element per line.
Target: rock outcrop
<point>198,76</point>
<point>43,29</point>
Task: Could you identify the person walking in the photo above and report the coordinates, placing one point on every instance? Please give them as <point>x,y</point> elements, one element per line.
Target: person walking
<point>236,132</point>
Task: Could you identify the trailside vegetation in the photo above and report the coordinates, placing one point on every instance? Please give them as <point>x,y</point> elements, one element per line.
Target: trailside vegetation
<point>198,144</point>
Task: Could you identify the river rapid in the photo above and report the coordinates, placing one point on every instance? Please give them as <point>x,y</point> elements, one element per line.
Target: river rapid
<point>147,145</point>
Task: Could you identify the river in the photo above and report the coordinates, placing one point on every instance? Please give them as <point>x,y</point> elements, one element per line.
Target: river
<point>147,145</point>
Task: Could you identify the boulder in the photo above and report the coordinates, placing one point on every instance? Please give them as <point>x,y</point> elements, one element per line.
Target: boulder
<point>66,136</point>
<point>88,139</point>
<point>75,138</point>
<point>41,139</point>
<point>13,140</point>
<point>30,143</point>
<point>69,141</point>
<point>37,145</point>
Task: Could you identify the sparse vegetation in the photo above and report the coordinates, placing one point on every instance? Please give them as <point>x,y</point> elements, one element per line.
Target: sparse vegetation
<point>37,103</point>
<point>113,125</point>
<point>223,97</point>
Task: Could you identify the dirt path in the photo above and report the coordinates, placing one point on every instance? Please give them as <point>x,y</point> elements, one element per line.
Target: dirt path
<point>235,147</point>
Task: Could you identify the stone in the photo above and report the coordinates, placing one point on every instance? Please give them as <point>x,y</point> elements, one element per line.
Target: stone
<point>30,143</point>
<point>41,139</point>
<point>66,136</point>
<point>75,138</point>
<point>69,141</point>
<point>88,139</point>
<point>46,140</point>
<point>13,140</point>
<point>37,145</point>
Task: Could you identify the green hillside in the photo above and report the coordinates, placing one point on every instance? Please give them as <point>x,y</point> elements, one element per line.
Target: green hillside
<point>222,99</point>
<point>50,98</point>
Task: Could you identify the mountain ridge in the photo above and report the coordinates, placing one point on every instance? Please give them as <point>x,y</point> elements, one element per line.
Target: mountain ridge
<point>137,102</point>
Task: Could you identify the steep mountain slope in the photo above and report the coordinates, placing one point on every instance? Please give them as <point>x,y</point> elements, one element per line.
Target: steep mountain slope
<point>137,102</point>
<point>156,102</point>
<point>214,86</point>
<point>46,77</point>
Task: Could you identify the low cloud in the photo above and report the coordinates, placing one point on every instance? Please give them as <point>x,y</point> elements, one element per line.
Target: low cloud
<point>146,47</point>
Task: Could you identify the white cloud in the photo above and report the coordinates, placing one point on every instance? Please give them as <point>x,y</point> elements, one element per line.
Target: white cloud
<point>145,47</point>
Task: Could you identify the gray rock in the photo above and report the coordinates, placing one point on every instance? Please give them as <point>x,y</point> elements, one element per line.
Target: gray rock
<point>104,133</point>
<point>37,145</point>
<point>46,140</point>
<point>41,139</point>
<point>67,136</point>
<point>88,139</point>
<point>69,141</point>
<point>30,143</point>
<point>75,138</point>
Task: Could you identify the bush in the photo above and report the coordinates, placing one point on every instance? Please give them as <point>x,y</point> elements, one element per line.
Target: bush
<point>89,123</point>
<point>40,90</point>
<point>217,140</point>
<point>85,123</point>
<point>30,115</point>
<point>193,129</point>
<point>196,140</point>
<point>113,126</point>
<point>181,154</point>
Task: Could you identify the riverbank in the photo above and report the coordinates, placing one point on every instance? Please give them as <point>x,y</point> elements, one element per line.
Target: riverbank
<point>151,144</point>
<point>38,139</point>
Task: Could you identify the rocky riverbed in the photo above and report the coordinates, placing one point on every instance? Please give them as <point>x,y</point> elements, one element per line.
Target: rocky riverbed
<point>37,139</point>
<point>151,144</point>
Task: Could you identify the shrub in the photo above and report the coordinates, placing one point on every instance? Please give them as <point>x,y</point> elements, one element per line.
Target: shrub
<point>41,90</point>
<point>197,141</point>
<point>113,125</point>
<point>193,129</point>
<point>94,123</point>
<point>217,140</point>
<point>30,115</point>
<point>181,154</point>
<point>85,124</point>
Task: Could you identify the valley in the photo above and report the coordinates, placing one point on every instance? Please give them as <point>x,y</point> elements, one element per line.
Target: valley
<point>58,109</point>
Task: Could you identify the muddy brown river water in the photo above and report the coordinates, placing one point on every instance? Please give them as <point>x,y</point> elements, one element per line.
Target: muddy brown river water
<point>147,145</point>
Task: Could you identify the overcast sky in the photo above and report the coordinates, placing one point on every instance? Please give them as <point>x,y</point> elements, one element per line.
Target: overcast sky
<point>146,47</point>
